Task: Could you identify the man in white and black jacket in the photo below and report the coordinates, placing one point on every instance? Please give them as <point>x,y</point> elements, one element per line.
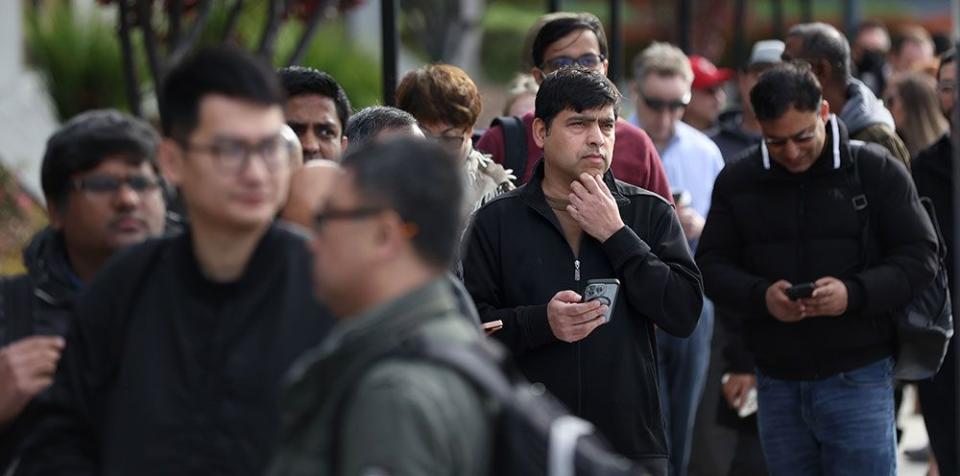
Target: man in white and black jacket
<point>790,212</point>
<point>530,253</point>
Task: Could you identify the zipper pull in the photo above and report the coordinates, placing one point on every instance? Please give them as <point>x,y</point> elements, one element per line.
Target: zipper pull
<point>576,270</point>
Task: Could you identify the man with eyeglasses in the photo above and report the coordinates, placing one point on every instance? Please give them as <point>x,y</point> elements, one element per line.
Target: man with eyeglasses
<point>446,104</point>
<point>317,109</point>
<point>381,246</point>
<point>99,176</point>
<point>812,242</point>
<point>176,356</point>
<point>661,85</point>
<point>933,173</point>
<point>564,40</point>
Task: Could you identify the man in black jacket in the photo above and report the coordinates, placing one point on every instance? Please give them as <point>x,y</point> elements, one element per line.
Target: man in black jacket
<point>175,358</point>
<point>530,253</point>
<point>933,174</point>
<point>100,179</point>
<point>792,212</point>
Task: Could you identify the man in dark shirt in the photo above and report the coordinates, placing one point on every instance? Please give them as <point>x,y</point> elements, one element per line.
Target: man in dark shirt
<point>175,360</point>
<point>530,253</point>
<point>100,180</point>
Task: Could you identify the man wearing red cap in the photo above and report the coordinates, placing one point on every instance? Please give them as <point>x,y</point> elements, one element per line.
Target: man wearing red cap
<point>708,97</point>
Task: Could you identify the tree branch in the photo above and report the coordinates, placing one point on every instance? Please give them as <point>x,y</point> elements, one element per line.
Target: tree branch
<point>275,11</point>
<point>233,18</point>
<point>193,36</point>
<point>129,65</point>
<point>145,14</point>
<point>308,33</point>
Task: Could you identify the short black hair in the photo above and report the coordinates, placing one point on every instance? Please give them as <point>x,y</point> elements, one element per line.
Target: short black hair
<point>575,88</point>
<point>823,41</point>
<point>553,30</point>
<point>786,85</point>
<point>300,80</point>
<point>223,70</point>
<point>393,174</point>
<point>369,121</point>
<point>84,141</point>
<point>949,57</point>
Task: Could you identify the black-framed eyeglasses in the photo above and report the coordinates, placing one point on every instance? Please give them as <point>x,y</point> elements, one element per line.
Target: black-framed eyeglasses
<point>233,156</point>
<point>103,185</point>
<point>660,105</point>
<point>331,214</point>
<point>589,60</point>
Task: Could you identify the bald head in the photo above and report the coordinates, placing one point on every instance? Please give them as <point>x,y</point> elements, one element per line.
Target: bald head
<point>308,187</point>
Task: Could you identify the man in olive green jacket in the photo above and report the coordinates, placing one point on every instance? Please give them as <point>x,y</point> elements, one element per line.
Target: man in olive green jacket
<point>384,239</point>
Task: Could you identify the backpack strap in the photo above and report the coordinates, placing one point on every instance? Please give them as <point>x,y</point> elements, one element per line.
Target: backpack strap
<point>860,202</point>
<point>17,295</point>
<point>514,145</point>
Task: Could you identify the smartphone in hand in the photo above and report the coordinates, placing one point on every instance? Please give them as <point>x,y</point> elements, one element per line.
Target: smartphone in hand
<point>800,291</point>
<point>603,290</point>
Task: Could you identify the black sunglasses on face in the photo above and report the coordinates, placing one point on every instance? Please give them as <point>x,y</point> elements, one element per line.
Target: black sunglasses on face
<point>588,60</point>
<point>660,105</point>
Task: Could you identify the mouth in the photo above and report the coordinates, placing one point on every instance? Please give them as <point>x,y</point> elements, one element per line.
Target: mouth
<point>596,158</point>
<point>128,224</point>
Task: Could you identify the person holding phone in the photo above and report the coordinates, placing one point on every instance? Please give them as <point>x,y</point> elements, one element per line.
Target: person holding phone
<point>531,253</point>
<point>783,251</point>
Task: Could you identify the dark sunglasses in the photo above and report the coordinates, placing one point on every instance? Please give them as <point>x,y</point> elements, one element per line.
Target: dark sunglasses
<point>588,60</point>
<point>663,105</point>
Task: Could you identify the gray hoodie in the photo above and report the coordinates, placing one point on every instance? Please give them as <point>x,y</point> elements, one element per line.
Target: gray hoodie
<point>863,109</point>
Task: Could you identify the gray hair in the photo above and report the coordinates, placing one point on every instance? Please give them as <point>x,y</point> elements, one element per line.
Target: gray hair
<point>370,121</point>
<point>823,41</point>
<point>662,59</point>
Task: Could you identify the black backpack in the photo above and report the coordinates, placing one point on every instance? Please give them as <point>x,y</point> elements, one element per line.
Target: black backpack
<point>534,434</point>
<point>514,145</point>
<point>925,324</point>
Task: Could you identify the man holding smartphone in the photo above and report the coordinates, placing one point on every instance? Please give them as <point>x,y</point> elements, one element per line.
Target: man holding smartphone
<point>531,252</point>
<point>813,264</point>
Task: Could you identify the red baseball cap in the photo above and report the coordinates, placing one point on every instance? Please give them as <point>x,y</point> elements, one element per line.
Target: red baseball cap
<point>706,75</point>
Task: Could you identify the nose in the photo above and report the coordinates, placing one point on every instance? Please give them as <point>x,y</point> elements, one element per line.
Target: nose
<point>126,197</point>
<point>309,141</point>
<point>790,150</point>
<point>596,137</point>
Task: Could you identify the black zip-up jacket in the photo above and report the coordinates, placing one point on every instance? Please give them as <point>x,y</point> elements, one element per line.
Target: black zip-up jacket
<point>166,372</point>
<point>516,259</point>
<point>49,290</point>
<point>767,224</point>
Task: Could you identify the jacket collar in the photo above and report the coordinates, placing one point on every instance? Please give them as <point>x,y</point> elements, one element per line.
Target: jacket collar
<point>532,192</point>
<point>836,153</point>
<point>46,260</point>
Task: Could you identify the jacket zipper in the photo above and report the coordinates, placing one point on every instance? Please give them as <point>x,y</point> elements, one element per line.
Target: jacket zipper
<point>576,279</point>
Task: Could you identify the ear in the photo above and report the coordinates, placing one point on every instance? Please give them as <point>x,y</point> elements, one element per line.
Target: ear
<point>823,70</point>
<point>537,74</point>
<point>344,142</point>
<point>824,110</point>
<point>390,236</point>
<point>170,160</point>
<point>539,132</point>
<point>606,66</point>
<point>55,213</point>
